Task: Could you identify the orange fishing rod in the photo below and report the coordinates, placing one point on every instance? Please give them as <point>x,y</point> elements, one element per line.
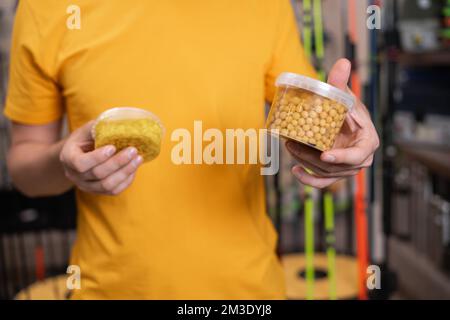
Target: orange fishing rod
<point>362,247</point>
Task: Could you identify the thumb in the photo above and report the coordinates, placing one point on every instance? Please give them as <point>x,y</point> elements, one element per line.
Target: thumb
<point>355,155</point>
<point>340,74</point>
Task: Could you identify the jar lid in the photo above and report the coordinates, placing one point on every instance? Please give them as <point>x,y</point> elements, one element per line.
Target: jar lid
<point>318,87</point>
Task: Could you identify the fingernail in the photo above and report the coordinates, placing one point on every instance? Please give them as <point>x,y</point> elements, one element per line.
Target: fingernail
<point>110,151</point>
<point>137,161</point>
<point>131,153</point>
<point>329,158</point>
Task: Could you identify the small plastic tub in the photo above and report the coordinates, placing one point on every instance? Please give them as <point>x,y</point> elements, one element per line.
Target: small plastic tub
<point>308,111</point>
<point>129,127</point>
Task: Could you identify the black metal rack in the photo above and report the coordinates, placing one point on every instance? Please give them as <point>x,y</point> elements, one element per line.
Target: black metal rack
<point>420,97</point>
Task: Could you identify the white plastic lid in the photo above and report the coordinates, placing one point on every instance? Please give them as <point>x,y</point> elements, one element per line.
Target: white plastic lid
<point>318,87</point>
<point>123,113</point>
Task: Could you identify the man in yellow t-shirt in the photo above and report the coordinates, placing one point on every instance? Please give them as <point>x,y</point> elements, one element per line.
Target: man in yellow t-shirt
<point>161,230</point>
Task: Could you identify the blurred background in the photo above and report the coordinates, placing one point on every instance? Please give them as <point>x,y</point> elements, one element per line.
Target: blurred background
<point>395,216</point>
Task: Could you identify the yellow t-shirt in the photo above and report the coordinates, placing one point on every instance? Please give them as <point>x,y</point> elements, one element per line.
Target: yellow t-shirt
<point>180,231</point>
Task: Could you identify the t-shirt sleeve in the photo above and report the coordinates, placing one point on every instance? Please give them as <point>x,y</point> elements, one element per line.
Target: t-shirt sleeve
<point>33,94</point>
<point>288,54</point>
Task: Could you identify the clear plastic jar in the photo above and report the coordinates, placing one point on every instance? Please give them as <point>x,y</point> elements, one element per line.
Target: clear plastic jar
<point>125,127</point>
<point>308,111</point>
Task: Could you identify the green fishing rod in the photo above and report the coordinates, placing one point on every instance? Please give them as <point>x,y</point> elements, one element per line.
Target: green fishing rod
<point>319,38</point>
<point>328,205</point>
<point>309,202</point>
<point>313,16</point>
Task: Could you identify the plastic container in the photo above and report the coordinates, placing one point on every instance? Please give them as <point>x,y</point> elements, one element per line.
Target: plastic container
<point>129,127</point>
<point>308,111</point>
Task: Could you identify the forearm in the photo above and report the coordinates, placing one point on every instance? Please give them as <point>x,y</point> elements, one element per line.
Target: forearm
<point>36,170</point>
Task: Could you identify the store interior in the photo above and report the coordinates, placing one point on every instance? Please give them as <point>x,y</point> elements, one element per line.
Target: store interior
<point>391,221</point>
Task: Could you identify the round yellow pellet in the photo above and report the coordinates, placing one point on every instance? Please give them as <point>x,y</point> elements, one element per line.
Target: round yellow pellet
<point>290,127</point>
<point>319,109</point>
<point>315,129</point>
<point>333,112</point>
<point>316,121</point>
<point>284,132</point>
<point>333,124</point>
<point>296,115</point>
<point>323,131</point>
<point>277,121</point>
<point>301,121</point>
<point>310,134</point>
<point>283,124</point>
<point>309,120</point>
<point>283,115</point>
<point>294,123</point>
<point>289,118</point>
<point>305,114</point>
<point>312,140</point>
<point>300,133</point>
<point>323,123</point>
<point>329,119</point>
<point>318,136</point>
<point>313,114</point>
<point>306,127</point>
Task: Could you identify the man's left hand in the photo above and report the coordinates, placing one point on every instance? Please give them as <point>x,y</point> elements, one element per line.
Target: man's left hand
<point>354,147</point>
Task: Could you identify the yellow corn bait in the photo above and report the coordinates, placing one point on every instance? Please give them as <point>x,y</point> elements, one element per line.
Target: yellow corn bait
<point>144,134</point>
<point>308,111</point>
<point>308,118</point>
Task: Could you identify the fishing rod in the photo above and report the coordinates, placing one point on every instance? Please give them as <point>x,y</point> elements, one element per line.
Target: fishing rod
<point>328,204</point>
<point>319,38</point>
<point>309,202</point>
<point>313,18</point>
<point>360,181</point>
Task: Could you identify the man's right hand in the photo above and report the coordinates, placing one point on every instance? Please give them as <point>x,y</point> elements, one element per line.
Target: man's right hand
<point>100,170</point>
